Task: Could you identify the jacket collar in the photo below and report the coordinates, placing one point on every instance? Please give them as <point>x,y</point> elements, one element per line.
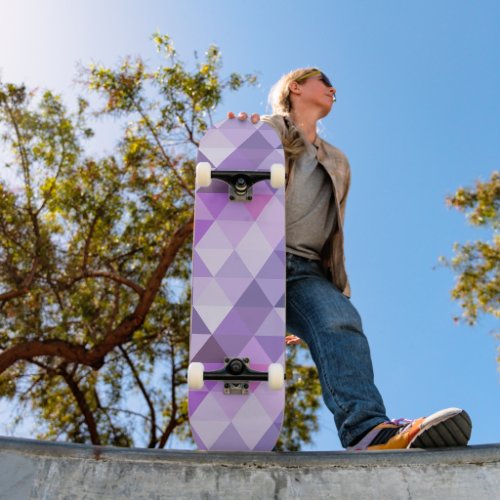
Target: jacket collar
<point>327,160</point>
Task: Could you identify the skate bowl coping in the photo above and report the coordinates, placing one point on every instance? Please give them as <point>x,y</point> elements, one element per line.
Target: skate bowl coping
<point>37,469</point>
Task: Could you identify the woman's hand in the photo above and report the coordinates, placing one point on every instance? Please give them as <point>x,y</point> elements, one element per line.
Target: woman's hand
<point>292,340</point>
<point>254,118</point>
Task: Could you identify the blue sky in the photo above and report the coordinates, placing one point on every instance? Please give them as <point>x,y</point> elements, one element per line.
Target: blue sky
<point>418,115</point>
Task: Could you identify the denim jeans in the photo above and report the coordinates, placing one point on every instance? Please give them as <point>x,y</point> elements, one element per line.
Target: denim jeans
<point>325,319</point>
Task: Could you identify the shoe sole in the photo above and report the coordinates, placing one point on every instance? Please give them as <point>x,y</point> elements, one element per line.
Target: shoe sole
<point>451,427</point>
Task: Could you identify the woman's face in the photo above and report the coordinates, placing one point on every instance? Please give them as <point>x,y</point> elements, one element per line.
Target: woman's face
<point>315,91</point>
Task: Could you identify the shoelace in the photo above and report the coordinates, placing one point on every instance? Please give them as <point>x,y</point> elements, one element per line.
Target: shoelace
<point>403,423</point>
<point>400,421</point>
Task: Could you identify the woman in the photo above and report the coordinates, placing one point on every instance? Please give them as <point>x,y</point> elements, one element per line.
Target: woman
<point>319,310</point>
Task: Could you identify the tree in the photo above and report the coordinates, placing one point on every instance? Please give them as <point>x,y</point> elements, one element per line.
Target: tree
<point>477,264</point>
<point>95,255</point>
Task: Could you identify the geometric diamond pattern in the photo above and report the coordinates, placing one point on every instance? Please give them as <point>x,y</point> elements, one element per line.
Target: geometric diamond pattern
<point>238,284</point>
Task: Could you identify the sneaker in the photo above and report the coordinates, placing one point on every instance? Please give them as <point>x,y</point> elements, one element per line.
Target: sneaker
<point>450,427</point>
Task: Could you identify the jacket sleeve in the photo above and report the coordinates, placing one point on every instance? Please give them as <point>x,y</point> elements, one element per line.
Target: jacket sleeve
<point>343,202</point>
<point>347,185</point>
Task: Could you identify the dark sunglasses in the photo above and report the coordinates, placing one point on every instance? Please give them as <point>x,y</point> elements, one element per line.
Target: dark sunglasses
<point>316,72</point>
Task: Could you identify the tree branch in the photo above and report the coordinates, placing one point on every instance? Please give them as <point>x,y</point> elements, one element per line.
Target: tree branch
<point>89,238</point>
<point>27,176</point>
<point>152,440</point>
<point>82,404</point>
<point>173,422</point>
<point>114,277</point>
<point>93,224</point>
<point>53,184</point>
<point>5,231</point>
<point>24,288</point>
<point>160,146</point>
<point>121,334</point>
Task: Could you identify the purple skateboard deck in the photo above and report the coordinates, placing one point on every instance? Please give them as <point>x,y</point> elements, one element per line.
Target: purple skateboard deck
<point>238,290</point>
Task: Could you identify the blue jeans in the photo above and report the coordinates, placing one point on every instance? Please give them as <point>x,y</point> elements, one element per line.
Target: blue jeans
<point>325,319</point>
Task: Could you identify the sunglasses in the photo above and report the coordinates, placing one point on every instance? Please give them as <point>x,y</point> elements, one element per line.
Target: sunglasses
<point>316,72</point>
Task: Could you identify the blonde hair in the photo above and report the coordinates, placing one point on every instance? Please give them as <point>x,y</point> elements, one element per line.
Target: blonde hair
<point>281,104</point>
<point>279,96</point>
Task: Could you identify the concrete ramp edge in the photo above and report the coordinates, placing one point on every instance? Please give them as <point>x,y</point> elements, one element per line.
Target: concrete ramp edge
<point>31,469</point>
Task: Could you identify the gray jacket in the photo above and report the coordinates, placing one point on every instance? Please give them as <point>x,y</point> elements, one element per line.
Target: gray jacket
<point>336,164</point>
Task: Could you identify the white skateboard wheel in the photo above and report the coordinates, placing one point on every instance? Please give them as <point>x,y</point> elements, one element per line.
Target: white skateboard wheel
<point>277,175</point>
<point>203,174</point>
<point>275,376</point>
<point>195,375</point>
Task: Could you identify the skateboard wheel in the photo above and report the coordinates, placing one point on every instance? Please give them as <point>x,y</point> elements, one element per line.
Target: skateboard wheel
<point>277,175</point>
<point>275,376</point>
<point>203,174</point>
<point>195,375</point>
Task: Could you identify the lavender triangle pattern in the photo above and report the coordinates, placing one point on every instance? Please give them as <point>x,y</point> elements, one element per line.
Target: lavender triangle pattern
<point>238,280</point>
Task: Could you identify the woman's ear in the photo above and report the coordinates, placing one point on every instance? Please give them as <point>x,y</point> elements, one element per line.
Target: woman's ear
<point>294,87</point>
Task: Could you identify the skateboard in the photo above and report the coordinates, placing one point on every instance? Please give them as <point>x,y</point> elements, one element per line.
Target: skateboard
<point>237,343</point>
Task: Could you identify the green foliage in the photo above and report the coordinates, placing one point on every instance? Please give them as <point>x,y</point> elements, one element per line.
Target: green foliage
<point>477,264</point>
<point>303,395</point>
<point>95,255</point>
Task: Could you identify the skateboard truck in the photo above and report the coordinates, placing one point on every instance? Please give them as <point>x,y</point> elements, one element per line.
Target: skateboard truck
<point>240,182</point>
<point>236,374</point>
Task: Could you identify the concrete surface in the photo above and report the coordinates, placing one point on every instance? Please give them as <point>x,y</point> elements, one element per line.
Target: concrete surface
<point>42,470</point>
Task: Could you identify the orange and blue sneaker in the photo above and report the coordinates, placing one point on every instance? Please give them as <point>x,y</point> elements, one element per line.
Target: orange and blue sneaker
<point>450,427</point>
